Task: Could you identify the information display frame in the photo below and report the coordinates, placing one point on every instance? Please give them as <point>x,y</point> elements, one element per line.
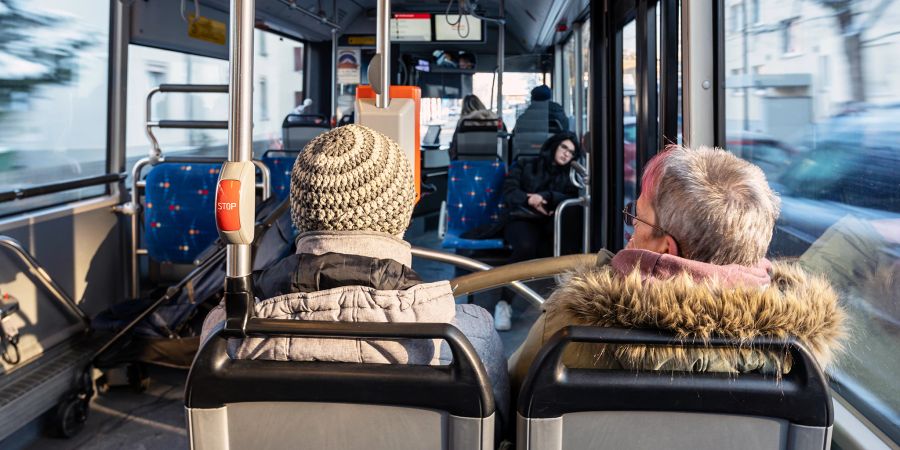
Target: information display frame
<point>476,28</point>
<point>412,23</point>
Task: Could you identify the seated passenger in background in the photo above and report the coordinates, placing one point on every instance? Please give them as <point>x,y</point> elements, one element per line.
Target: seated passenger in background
<point>695,266</point>
<point>542,108</point>
<point>472,108</point>
<point>531,191</point>
<point>352,196</point>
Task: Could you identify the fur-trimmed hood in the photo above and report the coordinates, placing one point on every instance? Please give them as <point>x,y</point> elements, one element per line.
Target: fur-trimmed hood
<point>795,303</point>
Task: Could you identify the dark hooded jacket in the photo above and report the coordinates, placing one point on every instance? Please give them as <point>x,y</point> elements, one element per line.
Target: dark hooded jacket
<point>542,176</point>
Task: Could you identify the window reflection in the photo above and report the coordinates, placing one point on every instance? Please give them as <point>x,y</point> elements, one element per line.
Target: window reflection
<point>54,63</point>
<point>812,103</point>
<point>629,109</point>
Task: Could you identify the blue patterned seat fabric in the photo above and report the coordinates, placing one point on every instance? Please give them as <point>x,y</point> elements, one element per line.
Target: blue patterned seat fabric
<point>178,211</point>
<point>280,164</point>
<point>473,199</point>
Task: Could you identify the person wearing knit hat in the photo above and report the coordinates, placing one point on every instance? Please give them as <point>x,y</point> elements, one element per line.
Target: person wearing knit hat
<point>352,178</point>
<point>352,196</point>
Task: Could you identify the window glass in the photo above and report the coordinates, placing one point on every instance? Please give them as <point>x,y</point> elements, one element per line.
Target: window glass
<point>629,109</point>
<point>813,102</point>
<point>517,88</point>
<point>444,112</point>
<point>586,73</point>
<point>569,76</point>
<point>54,63</point>
<point>278,90</point>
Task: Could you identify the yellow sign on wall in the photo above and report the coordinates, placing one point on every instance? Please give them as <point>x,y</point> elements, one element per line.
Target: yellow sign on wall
<point>206,29</point>
<point>360,40</point>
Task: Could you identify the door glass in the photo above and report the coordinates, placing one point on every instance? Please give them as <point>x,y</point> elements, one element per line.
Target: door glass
<point>629,119</point>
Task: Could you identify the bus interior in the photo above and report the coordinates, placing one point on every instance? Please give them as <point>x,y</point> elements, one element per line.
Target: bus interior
<point>120,120</point>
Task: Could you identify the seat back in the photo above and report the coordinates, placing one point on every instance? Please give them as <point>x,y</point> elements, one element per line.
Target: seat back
<point>179,199</point>
<point>474,194</point>
<point>330,405</point>
<point>280,164</point>
<point>298,129</point>
<point>561,407</point>
<point>530,134</point>
<point>476,139</point>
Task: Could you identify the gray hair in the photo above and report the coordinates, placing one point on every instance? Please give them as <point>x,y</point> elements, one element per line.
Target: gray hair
<point>718,207</point>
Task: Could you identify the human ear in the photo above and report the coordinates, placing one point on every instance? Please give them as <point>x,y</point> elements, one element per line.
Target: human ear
<point>671,246</point>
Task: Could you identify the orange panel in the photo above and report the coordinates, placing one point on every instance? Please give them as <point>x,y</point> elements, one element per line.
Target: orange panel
<point>413,92</point>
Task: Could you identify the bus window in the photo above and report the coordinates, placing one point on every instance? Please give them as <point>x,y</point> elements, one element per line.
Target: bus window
<point>517,88</point>
<point>54,64</point>
<point>586,72</point>
<point>569,77</point>
<point>629,120</point>
<point>814,106</point>
<point>444,112</point>
<point>278,90</point>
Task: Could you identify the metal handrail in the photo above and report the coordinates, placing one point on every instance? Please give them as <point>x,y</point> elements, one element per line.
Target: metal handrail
<point>62,186</point>
<point>473,264</point>
<point>527,270</point>
<point>584,200</point>
<point>155,151</point>
<point>38,272</point>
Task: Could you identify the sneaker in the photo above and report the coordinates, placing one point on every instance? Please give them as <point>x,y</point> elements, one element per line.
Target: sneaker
<point>502,316</point>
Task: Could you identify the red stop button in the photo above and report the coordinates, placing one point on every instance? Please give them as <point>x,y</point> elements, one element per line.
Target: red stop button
<point>228,205</point>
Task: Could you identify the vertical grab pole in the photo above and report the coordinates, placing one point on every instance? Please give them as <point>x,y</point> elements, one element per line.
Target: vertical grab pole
<point>334,88</point>
<point>501,60</point>
<point>502,140</point>
<point>235,199</point>
<point>240,113</point>
<point>579,82</point>
<point>383,49</point>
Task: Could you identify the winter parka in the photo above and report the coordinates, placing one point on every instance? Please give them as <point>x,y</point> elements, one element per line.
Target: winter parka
<point>362,276</point>
<point>643,289</point>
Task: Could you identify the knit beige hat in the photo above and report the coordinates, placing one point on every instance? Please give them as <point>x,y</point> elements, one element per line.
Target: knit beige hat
<point>352,178</point>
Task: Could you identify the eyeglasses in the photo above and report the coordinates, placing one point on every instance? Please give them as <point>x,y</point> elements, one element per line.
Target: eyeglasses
<point>630,216</point>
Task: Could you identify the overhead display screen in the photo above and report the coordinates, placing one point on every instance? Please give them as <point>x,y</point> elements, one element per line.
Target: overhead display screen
<point>415,27</point>
<point>452,27</point>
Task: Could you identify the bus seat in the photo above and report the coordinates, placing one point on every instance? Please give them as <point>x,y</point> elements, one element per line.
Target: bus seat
<point>529,136</point>
<point>298,129</point>
<point>474,199</point>
<point>280,164</point>
<point>179,199</point>
<point>561,407</point>
<point>242,404</point>
<point>476,139</point>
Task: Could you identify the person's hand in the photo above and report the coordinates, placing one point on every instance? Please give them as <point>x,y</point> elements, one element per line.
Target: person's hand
<point>538,203</point>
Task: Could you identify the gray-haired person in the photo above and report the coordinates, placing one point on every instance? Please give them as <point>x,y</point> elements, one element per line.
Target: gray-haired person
<point>695,266</point>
